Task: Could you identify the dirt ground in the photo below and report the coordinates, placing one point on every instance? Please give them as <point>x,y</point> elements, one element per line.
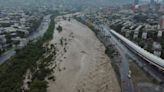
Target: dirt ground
<point>81,65</point>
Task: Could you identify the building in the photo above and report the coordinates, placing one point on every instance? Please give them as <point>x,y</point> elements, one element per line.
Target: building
<point>144,35</point>
<point>152,2</point>
<point>162,23</point>
<point>136,2</point>
<point>159,34</point>
<point>136,5</point>
<point>157,48</point>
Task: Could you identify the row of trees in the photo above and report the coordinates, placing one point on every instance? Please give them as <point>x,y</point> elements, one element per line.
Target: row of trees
<point>41,70</point>
<point>35,23</point>
<point>12,72</point>
<point>87,24</point>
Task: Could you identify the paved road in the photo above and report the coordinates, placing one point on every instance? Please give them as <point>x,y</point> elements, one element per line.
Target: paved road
<point>106,37</point>
<point>40,31</point>
<point>7,55</point>
<point>126,82</point>
<point>42,28</point>
<point>151,70</point>
<point>154,72</point>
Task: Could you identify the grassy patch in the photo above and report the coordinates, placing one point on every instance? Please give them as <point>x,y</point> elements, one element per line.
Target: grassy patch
<point>138,75</point>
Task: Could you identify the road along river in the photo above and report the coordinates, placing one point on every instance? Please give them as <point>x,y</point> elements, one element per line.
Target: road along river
<point>35,35</point>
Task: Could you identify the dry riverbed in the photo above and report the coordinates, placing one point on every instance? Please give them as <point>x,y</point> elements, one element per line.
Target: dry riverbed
<point>80,64</point>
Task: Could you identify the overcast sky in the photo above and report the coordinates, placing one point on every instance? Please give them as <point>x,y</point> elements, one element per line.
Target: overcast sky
<point>65,2</point>
<point>96,2</point>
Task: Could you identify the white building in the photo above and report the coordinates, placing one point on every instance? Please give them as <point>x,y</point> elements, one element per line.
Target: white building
<point>157,48</point>
<point>162,22</point>
<point>136,31</point>
<point>159,34</point>
<point>144,35</point>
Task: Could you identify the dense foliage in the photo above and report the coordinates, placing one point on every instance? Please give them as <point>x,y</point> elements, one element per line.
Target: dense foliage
<point>59,28</point>
<point>12,72</point>
<point>34,24</point>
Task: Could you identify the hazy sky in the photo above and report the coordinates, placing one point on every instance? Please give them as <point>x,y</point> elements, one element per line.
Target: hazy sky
<point>73,1</point>
<point>110,2</point>
<point>65,2</point>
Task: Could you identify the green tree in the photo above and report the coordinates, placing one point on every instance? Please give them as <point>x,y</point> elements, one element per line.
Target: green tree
<point>38,86</point>
<point>59,28</point>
